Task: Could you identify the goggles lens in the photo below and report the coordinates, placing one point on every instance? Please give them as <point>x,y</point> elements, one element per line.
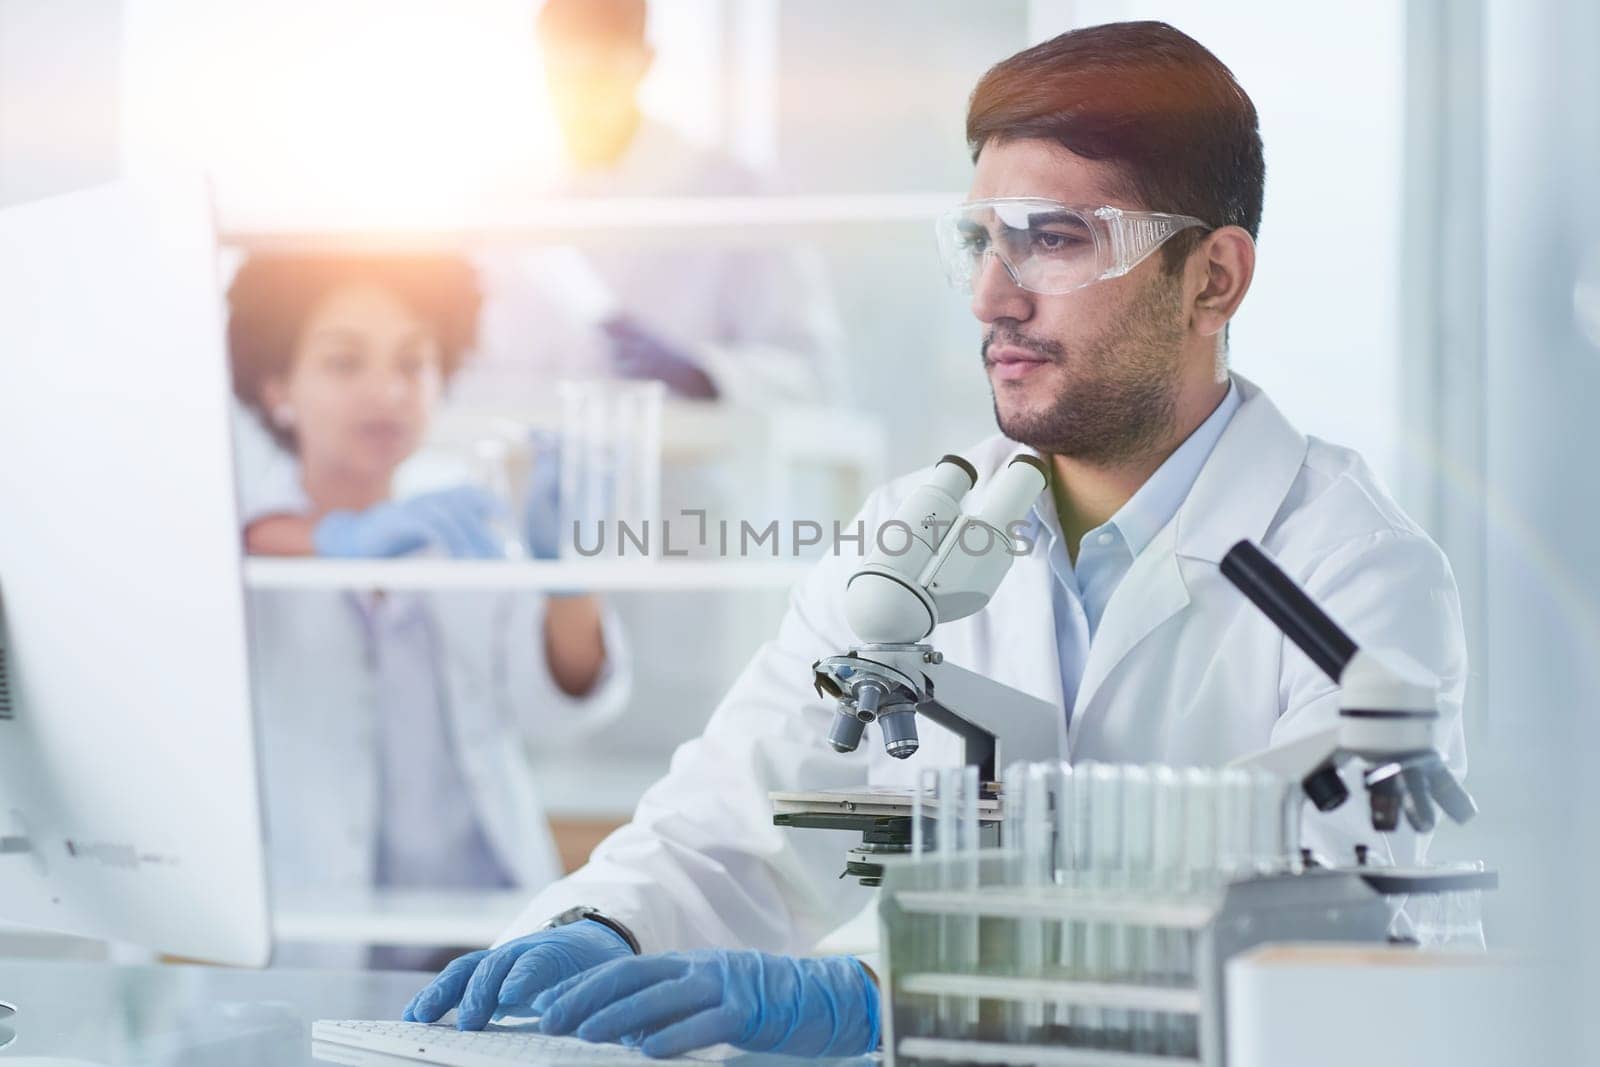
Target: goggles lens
<point>1049,247</point>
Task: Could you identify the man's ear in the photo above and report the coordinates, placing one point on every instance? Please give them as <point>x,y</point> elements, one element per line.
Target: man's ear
<point>1220,272</point>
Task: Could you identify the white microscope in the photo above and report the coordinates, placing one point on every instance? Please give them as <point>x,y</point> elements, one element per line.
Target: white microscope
<point>951,563</point>
<point>1388,712</point>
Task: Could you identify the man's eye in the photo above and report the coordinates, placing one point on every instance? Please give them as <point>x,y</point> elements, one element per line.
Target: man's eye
<point>1049,241</point>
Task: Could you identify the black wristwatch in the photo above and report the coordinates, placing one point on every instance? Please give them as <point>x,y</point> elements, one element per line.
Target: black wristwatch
<point>583,911</point>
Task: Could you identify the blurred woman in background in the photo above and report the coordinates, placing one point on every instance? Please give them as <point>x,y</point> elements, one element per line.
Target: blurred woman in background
<point>395,727</point>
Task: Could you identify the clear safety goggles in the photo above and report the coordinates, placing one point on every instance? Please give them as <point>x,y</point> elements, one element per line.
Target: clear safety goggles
<point>1049,247</point>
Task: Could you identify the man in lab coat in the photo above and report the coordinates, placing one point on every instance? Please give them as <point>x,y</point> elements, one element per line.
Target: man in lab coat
<point>1162,460</point>
<point>747,324</point>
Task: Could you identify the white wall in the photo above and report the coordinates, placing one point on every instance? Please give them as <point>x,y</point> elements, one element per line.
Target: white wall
<point>1320,329</point>
<point>59,109</point>
<point>394,107</point>
<point>1542,501</point>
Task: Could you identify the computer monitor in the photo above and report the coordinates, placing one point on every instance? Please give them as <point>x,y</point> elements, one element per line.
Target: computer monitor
<point>128,797</point>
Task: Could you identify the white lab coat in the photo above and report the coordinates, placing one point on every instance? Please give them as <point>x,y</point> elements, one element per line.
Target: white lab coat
<point>758,318</point>
<point>317,726</point>
<point>1183,670</point>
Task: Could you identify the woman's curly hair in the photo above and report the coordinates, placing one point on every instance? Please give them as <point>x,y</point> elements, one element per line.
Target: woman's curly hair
<point>273,295</point>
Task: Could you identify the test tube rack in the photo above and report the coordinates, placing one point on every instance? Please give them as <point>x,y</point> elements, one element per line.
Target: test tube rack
<point>989,1003</point>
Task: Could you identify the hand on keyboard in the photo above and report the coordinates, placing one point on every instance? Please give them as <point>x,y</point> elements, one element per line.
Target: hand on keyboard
<point>675,1002</point>
<point>508,978</point>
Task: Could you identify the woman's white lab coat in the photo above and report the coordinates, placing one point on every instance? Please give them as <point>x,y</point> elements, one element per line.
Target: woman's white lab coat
<point>1182,670</point>
<point>318,724</point>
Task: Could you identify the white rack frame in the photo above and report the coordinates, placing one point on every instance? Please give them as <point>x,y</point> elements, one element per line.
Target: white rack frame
<point>588,575</point>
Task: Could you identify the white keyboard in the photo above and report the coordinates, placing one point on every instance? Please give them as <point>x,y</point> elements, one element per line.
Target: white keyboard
<point>494,1047</point>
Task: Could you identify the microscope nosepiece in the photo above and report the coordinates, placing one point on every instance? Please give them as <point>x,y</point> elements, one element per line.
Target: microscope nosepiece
<point>899,732</point>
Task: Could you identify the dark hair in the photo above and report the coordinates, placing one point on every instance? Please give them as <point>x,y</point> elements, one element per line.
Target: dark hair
<point>272,296</point>
<point>1146,97</point>
<point>616,21</point>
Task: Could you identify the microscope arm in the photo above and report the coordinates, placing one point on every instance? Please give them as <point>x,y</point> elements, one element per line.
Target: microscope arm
<point>998,724</point>
<point>1387,717</point>
<point>1294,760</point>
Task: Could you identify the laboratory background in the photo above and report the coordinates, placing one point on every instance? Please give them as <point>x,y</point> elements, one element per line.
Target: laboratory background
<point>734,315</point>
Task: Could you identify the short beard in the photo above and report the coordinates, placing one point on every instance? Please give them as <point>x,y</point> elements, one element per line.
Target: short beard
<point>1121,402</point>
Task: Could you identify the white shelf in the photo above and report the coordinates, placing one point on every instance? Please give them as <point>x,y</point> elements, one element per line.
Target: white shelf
<point>725,219</point>
<point>596,576</point>
<point>393,917</point>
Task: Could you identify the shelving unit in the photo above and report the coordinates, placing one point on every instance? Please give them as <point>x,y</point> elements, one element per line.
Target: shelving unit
<point>589,575</point>
<point>724,219</point>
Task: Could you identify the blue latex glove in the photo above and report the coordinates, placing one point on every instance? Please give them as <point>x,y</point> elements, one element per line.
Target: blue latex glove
<point>456,520</point>
<point>638,353</point>
<point>675,1002</point>
<point>508,978</point>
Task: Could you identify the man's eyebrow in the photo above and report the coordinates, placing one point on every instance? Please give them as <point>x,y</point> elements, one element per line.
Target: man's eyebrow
<point>1047,218</point>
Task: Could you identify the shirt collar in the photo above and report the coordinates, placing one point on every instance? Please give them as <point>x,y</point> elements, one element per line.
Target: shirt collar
<point>1158,499</point>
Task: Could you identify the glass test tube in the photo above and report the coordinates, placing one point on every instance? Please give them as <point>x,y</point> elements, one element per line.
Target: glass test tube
<point>1065,876</point>
<point>1268,835</point>
<point>957,845</point>
<point>610,467</point>
<point>1083,1022</point>
<point>1199,875</point>
<point>967,861</point>
<point>920,954</point>
<point>1233,800</point>
<point>1138,863</point>
<point>1107,838</point>
<point>1014,803</point>
<point>1037,875</point>
<point>927,789</point>
<point>1167,831</point>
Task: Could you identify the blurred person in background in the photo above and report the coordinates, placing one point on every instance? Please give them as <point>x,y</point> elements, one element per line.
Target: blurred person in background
<point>750,325</point>
<point>395,727</point>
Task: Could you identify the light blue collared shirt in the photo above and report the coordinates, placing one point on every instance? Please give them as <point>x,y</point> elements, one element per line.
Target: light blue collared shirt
<point>1105,554</point>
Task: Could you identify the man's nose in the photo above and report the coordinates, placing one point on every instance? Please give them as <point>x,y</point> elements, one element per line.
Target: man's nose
<point>996,295</point>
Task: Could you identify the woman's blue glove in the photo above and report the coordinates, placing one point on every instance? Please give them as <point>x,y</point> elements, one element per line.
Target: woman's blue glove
<point>672,1003</point>
<point>638,353</point>
<point>456,520</point>
<point>508,978</point>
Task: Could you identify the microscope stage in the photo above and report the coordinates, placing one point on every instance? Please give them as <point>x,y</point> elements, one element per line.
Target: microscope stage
<point>879,800</point>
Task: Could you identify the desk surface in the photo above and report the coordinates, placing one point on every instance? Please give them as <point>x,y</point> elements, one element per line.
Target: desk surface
<point>183,1015</point>
<point>101,1015</point>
